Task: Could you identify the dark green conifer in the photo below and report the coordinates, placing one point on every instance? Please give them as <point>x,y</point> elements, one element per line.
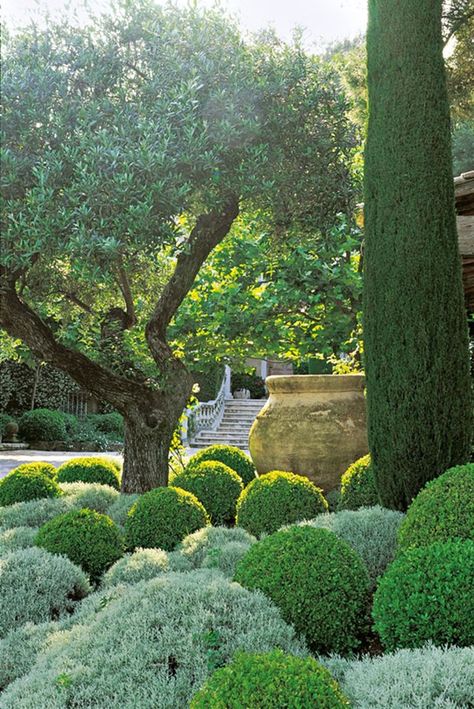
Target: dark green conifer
<point>415,326</point>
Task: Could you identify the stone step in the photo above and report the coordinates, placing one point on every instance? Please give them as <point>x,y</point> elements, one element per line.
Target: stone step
<point>243,445</point>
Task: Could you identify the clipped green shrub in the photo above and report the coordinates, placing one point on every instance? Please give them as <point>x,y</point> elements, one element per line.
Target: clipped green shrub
<point>4,419</point>
<point>142,565</point>
<point>89,470</point>
<point>94,496</point>
<point>215,485</point>
<point>88,538</point>
<point>118,510</point>
<point>424,678</point>
<point>270,681</point>
<point>371,531</point>
<point>153,645</point>
<point>42,425</point>
<point>163,517</point>
<point>316,579</point>
<point>229,455</point>
<point>34,513</point>
<point>426,594</point>
<point>443,510</point>
<point>358,486</point>
<point>39,467</point>
<point>111,424</point>
<point>20,486</point>
<point>17,538</point>
<point>278,498</point>
<point>37,586</point>
<point>20,648</point>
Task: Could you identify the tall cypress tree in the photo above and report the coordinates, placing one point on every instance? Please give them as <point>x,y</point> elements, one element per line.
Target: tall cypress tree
<point>415,326</point>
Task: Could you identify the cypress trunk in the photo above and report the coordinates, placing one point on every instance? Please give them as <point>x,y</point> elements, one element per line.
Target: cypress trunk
<point>415,325</point>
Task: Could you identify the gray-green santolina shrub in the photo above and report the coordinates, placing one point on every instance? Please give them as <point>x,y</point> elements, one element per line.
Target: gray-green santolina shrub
<point>153,646</point>
<point>371,531</point>
<point>418,381</point>
<point>34,513</point>
<point>118,510</point>
<point>94,496</point>
<point>142,565</point>
<point>17,538</point>
<point>20,648</point>
<point>200,545</point>
<point>425,678</point>
<point>37,586</point>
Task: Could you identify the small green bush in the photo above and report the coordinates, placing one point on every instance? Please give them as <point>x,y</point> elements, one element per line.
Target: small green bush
<point>42,425</point>
<point>163,517</point>
<point>4,419</point>
<point>278,498</point>
<point>215,485</point>
<point>118,510</point>
<point>153,644</point>
<point>206,543</point>
<point>39,467</point>
<point>358,486</point>
<point>20,486</point>
<point>425,678</point>
<point>229,455</point>
<point>111,424</point>
<point>37,586</point>
<point>94,496</point>
<point>88,538</point>
<point>270,681</point>
<point>427,594</point>
<point>34,513</point>
<point>442,511</point>
<point>142,565</point>
<point>89,470</point>
<point>316,579</point>
<point>17,538</point>
<point>371,531</point>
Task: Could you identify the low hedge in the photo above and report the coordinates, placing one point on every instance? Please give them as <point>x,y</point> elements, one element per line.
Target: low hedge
<point>42,425</point>
<point>278,498</point>
<point>89,470</point>
<point>442,511</point>
<point>229,455</point>
<point>87,538</point>
<point>270,681</point>
<point>317,581</point>
<point>215,485</point>
<point>163,517</point>
<point>20,486</point>
<point>427,594</point>
<point>358,487</point>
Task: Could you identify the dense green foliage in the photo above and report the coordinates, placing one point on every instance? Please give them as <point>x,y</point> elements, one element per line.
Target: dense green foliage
<point>90,540</point>
<point>39,466</point>
<point>442,511</point>
<point>229,455</point>
<point>20,486</point>
<point>37,586</point>
<point>371,531</point>
<point>418,385</point>
<point>215,485</point>
<point>278,498</point>
<point>89,470</point>
<point>358,487</point>
<point>142,565</point>
<point>153,645</point>
<point>316,579</point>
<point>270,681</point>
<point>426,594</point>
<point>163,517</point>
<point>42,425</point>
<point>108,423</point>
<point>252,382</point>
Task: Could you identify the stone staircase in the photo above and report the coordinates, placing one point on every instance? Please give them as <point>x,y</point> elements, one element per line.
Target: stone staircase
<point>238,416</point>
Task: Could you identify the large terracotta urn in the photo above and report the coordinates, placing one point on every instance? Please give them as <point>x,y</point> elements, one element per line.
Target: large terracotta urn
<point>314,425</point>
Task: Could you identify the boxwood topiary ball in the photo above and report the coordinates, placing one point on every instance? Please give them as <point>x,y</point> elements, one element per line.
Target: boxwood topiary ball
<point>39,467</point>
<point>215,485</point>
<point>443,510</point>
<point>316,579</point>
<point>427,594</point>
<point>229,455</point>
<point>42,425</point>
<point>358,486</point>
<point>89,470</point>
<point>163,517</point>
<point>20,486</point>
<point>270,681</point>
<point>88,538</point>
<point>276,499</point>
